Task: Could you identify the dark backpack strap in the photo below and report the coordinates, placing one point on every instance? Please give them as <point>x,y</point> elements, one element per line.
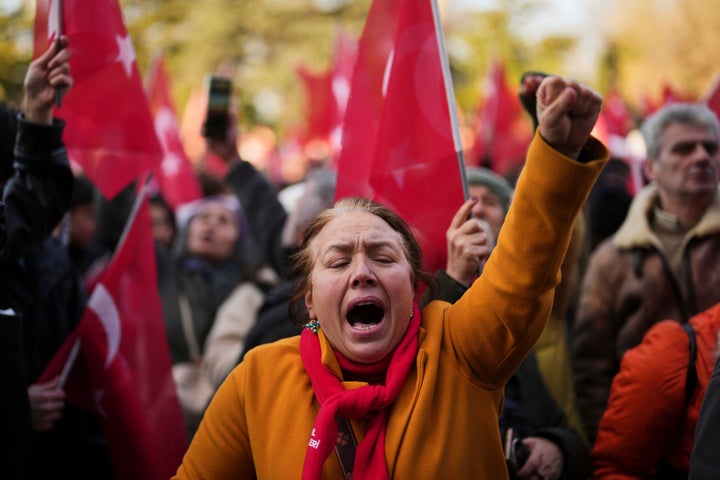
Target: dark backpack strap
<point>680,299</point>
<point>692,379</point>
<point>690,295</point>
<point>345,447</point>
<point>664,470</point>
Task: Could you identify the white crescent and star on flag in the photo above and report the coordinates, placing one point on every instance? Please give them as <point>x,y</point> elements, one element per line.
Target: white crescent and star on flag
<point>165,126</point>
<point>126,53</point>
<point>388,71</point>
<point>103,305</point>
<point>53,16</point>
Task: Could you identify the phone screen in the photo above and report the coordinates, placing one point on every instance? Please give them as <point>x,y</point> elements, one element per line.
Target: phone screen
<point>216,119</point>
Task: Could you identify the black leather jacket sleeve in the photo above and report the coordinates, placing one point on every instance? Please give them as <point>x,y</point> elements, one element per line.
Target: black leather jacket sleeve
<point>38,194</point>
<point>263,211</point>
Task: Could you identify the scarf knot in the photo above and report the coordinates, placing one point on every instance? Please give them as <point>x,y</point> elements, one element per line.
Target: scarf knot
<point>368,401</point>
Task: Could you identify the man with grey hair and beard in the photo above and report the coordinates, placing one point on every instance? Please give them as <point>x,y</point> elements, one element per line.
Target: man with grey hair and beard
<point>663,261</point>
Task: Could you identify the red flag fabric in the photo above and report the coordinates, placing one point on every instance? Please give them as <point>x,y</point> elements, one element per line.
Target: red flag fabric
<point>504,130</point>
<point>123,370</point>
<point>326,95</point>
<point>712,96</point>
<point>343,65</point>
<point>616,114</point>
<point>320,106</point>
<point>176,177</point>
<point>668,95</point>
<point>109,130</point>
<point>398,146</point>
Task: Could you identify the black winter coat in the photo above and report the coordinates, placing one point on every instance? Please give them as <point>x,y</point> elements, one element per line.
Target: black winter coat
<point>34,200</point>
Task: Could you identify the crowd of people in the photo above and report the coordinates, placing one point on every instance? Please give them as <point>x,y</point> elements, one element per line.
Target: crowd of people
<point>572,334</point>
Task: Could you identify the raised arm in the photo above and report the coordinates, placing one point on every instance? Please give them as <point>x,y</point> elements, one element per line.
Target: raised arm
<point>567,112</point>
<point>499,319</point>
<point>38,192</point>
<point>49,72</point>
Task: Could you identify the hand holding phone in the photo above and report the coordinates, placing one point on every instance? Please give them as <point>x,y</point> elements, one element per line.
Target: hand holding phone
<point>217,116</point>
<point>515,452</point>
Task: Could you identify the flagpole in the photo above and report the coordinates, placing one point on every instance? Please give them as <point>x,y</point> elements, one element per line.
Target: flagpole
<point>449,91</point>
<point>141,194</point>
<point>711,89</point>
<point>65,372</point>
<point>59,91</point>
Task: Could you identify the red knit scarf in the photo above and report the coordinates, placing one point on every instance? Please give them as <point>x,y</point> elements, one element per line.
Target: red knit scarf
<point>369,401</point>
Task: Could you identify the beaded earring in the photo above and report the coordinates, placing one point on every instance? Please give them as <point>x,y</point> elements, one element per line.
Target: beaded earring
<point>312,325</point>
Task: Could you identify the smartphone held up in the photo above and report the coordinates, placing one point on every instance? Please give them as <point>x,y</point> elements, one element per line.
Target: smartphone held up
<point>516,454</point>
<point>217,117</point>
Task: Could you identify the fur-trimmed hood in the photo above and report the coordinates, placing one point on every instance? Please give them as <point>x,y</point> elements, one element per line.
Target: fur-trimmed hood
<point>636,232</point>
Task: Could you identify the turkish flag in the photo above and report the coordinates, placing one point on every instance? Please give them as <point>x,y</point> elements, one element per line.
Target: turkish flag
<point>668,95</point>
<point>343,65</point>
<point>711,96</point>
<point>326,94</point>
<point>398,145</point>
<point>616,114</point>
<point>320,106</point>
<point>109,130</point>
<point>176,177</point>
<point>123,368</point>
<point>504,133</point>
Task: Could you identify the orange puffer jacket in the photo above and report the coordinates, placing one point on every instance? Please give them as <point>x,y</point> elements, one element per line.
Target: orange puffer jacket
<point>646,422</point>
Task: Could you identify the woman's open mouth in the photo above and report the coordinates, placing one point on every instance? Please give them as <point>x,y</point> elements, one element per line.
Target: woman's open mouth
<point>365,315</point>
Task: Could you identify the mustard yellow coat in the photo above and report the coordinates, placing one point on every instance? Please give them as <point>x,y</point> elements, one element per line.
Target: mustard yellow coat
<point>444,424</point>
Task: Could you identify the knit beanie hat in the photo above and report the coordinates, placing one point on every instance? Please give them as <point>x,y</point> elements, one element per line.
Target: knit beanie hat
<point>487,178</point>
<point>187,211</point>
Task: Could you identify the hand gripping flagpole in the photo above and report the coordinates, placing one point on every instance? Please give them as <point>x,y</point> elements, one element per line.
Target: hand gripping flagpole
<point>449,91</point>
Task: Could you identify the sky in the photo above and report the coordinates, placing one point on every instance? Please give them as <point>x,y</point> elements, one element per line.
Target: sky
<point>573,17</point>
<point>558,16</point>
<point>9,4</point>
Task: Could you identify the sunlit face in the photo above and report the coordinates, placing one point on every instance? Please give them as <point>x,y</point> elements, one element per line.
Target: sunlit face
<point>488,208</point>
<point>360,288</point>
<point>687,166</point>
<point>213,233</point>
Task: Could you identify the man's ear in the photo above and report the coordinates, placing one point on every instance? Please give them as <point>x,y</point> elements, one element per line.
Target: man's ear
<point>650,168</point>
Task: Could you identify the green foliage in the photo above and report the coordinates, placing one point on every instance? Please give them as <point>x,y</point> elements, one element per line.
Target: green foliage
<point>14,28</point>
<point>678,47</point>
<point>494,34</point>
<point>260,44</point>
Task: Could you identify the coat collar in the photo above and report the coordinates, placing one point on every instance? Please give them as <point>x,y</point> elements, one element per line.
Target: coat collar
<point>635,232</point>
